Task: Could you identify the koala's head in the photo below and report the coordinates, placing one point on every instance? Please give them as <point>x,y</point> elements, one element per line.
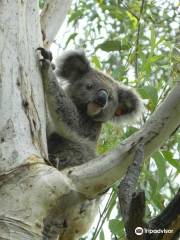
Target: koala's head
<point>95,93</point>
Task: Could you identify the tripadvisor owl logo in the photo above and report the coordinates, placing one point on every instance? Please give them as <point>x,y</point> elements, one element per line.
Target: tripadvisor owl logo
<point>139,231</point>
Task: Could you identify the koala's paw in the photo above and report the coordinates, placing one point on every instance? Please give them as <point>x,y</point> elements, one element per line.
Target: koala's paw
<point>47,55</point>
<point>45,58</point>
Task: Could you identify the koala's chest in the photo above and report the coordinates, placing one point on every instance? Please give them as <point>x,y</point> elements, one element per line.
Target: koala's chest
<point>66,153</point>
<point>79,219</point>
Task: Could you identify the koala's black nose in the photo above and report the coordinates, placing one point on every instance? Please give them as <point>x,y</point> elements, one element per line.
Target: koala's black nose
<point>101,98</point>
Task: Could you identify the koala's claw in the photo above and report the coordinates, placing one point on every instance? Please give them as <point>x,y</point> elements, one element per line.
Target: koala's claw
<point>46,59</point>
<point>45,64</point>
<point>45,54</point>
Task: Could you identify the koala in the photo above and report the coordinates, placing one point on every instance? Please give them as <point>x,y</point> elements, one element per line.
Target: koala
<point>79,100</point>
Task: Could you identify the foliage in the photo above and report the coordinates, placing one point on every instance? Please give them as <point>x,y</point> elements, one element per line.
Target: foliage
<point>41,3</point>
<point>132,40</point>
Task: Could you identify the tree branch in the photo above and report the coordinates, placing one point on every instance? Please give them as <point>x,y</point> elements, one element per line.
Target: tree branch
<point>136,216</point>
<point>132,205</point>
<point>52,17</point>
<point>128,184</point>
<point>169,219</point>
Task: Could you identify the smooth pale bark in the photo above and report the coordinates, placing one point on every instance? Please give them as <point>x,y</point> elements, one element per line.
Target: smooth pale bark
<point>22,117</point>
<point>30,191</point>
<point>22,112</point>
<point>52,16</point>
<point>34,196</point>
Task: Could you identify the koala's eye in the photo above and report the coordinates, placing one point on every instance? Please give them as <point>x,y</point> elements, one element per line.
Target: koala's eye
<point>110,98</point>
<point>89,86</point>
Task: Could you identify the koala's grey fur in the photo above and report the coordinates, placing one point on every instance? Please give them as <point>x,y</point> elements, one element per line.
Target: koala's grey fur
<point>77,110</point>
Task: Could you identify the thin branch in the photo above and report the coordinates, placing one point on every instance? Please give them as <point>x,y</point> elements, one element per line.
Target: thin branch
<point>137,39</point>
<point>52,17</point>
<point>127,9</point>
<point>103,216</point>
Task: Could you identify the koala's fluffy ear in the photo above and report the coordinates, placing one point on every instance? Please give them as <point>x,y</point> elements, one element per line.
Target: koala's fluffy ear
<point>72,65</point>
<point>129,106</point>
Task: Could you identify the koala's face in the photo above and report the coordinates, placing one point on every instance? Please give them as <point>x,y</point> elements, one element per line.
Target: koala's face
<point>94,93</point>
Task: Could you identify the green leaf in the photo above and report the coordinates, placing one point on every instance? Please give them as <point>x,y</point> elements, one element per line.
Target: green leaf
<point>41,3</point>
<point>99,1</point>
<point>117,14</point>
<point>110,45</point>
<point>116,227</point>
<point>72,36</point>
<point>153,184</point>
<point>149,92</point>
<point>96,61</point>
<point>132,19</point>
<point>147,68</point>
<point>153,39</point>
<point>155,58</point>
<point>174,162</point>
<point>161,165</point>
<point>101,235</point>
<point>113,11</point>
<point>160,40</point>
<point>111,204</point>
<point>158,200</point>
<point>110,136</point>
<point>77,14</point>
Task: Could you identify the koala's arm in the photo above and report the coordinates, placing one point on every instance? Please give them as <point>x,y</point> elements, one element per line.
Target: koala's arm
<point>62,110</point>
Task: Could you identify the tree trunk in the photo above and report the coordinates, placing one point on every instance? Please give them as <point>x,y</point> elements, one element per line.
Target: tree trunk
<point>23,173</point>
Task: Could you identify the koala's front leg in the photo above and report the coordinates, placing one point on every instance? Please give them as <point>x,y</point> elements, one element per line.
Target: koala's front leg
<point>62,110</point>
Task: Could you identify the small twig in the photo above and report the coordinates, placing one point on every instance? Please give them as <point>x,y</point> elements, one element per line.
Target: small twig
<point>137,39</point>
<point>133,14</point>
<point>129,55</point>
<point>102,217</point>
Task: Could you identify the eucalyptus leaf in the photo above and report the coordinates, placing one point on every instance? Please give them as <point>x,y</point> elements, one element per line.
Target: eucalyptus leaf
<point>116,226</point>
